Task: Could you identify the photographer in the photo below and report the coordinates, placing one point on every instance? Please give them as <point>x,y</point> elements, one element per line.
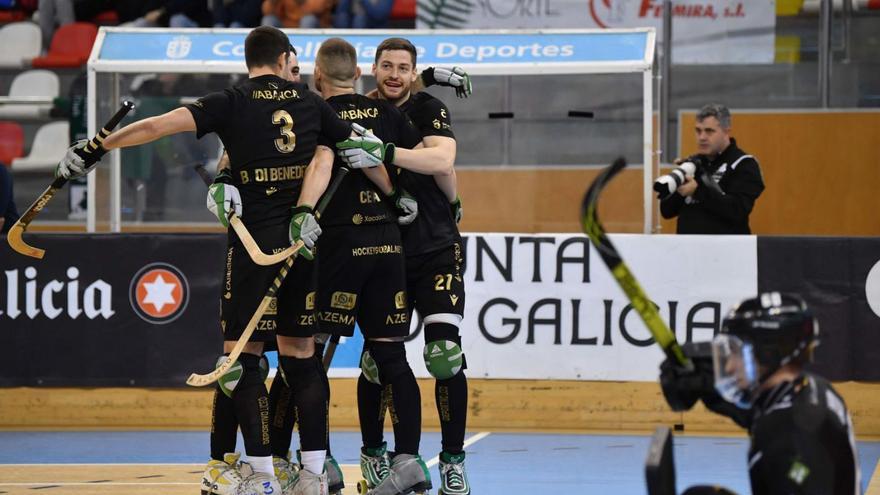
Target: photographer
<point>714,191</point>
<point>801,434</point>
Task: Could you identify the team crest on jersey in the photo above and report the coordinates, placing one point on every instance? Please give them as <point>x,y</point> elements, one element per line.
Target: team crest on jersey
<point>178,47</point>
<point>159,293</point>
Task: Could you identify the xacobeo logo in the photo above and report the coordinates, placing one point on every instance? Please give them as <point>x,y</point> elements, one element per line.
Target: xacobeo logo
<point>159,293</point>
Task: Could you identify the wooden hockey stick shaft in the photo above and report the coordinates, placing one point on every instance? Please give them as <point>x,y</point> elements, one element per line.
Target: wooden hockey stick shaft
<point>247,240</point>
<point>611,257</point>
<point>197,380</point>
<point>14,237</point>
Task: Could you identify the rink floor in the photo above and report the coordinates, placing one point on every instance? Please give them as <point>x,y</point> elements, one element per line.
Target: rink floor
<point>171,462</point>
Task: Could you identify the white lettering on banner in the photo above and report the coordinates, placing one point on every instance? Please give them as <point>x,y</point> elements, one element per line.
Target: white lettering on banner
<point>97,297</point>
<point>546,306</point>
<point>481,53</point>
<point>228,49</point>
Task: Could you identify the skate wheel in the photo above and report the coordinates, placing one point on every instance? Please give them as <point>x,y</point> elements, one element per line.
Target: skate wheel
<point>362,487</point>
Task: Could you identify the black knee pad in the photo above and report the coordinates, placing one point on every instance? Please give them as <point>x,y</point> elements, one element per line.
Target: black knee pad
<point>252,373</point>
<point>442,331</point>
<point>390,358</point>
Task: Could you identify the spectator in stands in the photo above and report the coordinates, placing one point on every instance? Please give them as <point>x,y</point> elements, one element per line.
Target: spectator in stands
<point>55,13</point>
<point>362,14</point>
<point>720,195</point>
<point>306,14</point>
<point>169,13</point>
<point>8,213</point>
<point>237,13</point>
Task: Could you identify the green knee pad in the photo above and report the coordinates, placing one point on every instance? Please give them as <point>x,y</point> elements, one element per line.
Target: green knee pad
<point>229,380</point>
<point>369,368</point>
<point>443,358</point>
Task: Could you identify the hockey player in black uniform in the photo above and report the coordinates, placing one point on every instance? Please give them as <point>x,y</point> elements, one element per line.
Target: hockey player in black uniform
<point>434,254</point>
<point>271,130</point>
<point>362,271</point>
<point>801,433</point>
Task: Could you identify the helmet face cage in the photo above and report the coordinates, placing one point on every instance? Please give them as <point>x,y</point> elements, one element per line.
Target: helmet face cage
<point>736,369</point>
<point>757,338</point>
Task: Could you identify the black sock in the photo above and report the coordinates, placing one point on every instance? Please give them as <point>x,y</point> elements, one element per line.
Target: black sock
<point>326,381</point>
<point>282,416</point>
<point>309,398</point>
<point>224,425</point>
<point>370,412</point>
<point>252,407</point>
<point>452,395</point>
<point>394,370</point>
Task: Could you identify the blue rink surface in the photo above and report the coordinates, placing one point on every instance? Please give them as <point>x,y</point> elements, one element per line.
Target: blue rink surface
<point>508,463</point>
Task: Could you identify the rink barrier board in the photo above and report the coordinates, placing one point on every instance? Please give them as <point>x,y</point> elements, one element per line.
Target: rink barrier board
<point>529,405</point>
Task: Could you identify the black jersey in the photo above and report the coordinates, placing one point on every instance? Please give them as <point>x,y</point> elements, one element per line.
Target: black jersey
<point>802,441</point>
<point>434,228</point>
<point>270,128</point>
<point>358,201</point>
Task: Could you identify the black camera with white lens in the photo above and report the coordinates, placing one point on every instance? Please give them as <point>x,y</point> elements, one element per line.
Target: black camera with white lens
<point>667,184</point>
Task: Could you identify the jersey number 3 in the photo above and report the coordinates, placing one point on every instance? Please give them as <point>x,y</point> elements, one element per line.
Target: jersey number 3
<point>287,142</point>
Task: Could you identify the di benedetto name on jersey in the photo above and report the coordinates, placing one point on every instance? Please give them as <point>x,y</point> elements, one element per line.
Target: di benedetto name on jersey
<point>270,128</point>
<point>358,201</point>
<point>434,228</point>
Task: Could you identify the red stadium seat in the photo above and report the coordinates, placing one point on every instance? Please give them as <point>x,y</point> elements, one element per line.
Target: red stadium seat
<point>11,142</point>
<point>403,9</point>
<point>70,46</point>
<point>7,16</point>
<point>106,18</point>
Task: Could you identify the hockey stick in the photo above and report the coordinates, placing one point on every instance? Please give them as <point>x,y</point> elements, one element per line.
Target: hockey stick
<point>247,240</point>
<point>621,273</point>
<point>330,351</point>
<point>197,380</point>
<point>14,237</point>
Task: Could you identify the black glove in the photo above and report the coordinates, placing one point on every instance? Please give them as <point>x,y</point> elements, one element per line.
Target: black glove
<point>682,388</point>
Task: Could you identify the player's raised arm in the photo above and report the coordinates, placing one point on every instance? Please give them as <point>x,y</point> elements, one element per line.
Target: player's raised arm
<point>151,129</point>
<point>144,131</point>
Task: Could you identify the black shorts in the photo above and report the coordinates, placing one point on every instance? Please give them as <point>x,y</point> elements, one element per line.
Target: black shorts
<point>362,279</point>
<point>435,284</point>
<point>291,312</point>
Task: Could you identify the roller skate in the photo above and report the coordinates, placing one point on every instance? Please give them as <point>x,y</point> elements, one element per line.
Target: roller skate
<point>374,465</point>
<point>285,471</point>
<point>408,474</point>
<point>221,477</point>
<point>253,483</point>
<point>453,479</point>
<point>335,482</point>
<point>308,483</point>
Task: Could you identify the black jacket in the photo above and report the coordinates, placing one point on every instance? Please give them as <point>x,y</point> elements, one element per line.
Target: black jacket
<point>714,211</point>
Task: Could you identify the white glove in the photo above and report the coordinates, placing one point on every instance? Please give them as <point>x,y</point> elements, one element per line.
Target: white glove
<point>73,165</point>
<point>222,199</point>
<point>406,205</point>
<point>455,77</point>
<point>304,227</point>
<point>364,151</point>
